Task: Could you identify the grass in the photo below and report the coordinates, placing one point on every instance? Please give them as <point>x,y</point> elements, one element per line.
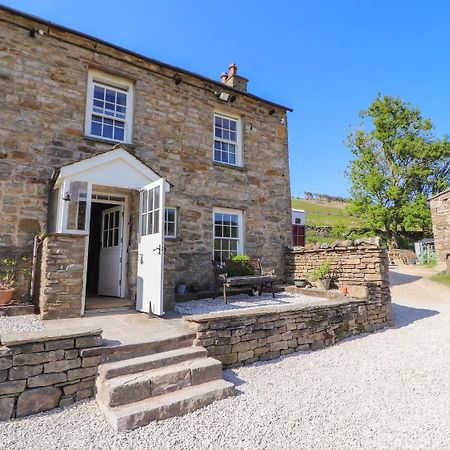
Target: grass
<point>430,264</point>
<point>442,277</point>
<point>326,214</point>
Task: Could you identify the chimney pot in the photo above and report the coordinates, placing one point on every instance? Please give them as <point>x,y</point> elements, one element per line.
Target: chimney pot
<point>224,77</point>
<point>232,70</point>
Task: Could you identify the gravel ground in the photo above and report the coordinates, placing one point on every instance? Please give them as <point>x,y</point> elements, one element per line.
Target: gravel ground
<point>389,389</point>
<point>18,324</point>
<point>242,301</point>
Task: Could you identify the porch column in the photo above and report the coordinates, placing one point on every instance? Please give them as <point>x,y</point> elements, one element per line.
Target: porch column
<point>62,269</point>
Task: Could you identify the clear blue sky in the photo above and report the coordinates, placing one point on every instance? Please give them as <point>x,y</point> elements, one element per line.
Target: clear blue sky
<point>326,59</point>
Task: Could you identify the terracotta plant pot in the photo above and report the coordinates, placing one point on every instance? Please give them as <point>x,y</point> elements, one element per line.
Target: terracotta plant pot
<point>6,296</point>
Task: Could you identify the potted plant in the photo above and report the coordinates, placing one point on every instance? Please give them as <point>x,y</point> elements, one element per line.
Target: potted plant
<point>321,275</point>
<point>7,280</point>
<point>300,282</point>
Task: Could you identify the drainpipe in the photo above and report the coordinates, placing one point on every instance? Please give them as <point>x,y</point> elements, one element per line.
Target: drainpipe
<point>50,185</point>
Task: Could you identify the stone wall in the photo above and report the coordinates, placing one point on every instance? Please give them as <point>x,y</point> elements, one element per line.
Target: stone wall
<point>440,215</point>
<point>243,337</point>
<point>362,263</point>
<point>61,287</point>
<point>41,370</point>
<point>42,118</point>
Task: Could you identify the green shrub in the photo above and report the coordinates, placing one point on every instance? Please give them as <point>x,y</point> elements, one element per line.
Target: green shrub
<point>239,265</point>
<point>320,272</point>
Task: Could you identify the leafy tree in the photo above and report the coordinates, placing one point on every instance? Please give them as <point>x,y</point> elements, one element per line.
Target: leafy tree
<point>398,164</point>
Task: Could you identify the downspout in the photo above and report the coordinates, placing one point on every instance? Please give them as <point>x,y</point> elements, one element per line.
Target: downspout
<point>37,239</point>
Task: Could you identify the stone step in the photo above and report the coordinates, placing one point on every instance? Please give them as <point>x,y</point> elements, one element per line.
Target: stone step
<point>189,399</point>
<point>135,387</point>
<point>148,362</point>
<point>112,352</point>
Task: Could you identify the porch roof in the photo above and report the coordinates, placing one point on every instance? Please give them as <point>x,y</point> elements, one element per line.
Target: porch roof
<point>116,168</point>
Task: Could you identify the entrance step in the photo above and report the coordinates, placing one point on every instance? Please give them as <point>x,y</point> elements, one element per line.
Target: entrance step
<point>177,403</point>
<point>135,387</point>
<point>155,380</point>
<point>117,352</point>
<point>148,362</point>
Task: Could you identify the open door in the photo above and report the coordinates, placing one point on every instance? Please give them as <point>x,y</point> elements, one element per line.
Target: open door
<point>110,265</point>
<point>150,271</point>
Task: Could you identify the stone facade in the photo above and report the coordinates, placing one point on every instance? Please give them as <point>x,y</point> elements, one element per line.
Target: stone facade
<point>41,370</point>
<point>42,117</point>
<point>62,275</point>
<point>440,215</point>
<point>244,337</point>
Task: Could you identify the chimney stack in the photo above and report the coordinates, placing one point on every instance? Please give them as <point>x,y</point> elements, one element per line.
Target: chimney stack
<point>233,79</point>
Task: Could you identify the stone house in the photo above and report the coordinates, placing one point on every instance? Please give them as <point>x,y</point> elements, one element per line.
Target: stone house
<point>440,216</point>
<point>135,172</point>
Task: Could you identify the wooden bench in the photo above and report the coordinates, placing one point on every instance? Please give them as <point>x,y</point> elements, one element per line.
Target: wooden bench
<point>221,279</point>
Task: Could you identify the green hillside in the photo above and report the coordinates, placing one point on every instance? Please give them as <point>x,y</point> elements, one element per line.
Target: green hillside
<point>322,214</point>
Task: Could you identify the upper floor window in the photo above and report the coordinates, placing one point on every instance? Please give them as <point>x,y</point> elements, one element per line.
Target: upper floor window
<point>109,107</point>
<point>227,140</point>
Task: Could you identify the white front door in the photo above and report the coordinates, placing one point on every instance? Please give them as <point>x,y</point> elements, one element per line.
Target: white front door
<point>149,290</point>
<point>110,266</point>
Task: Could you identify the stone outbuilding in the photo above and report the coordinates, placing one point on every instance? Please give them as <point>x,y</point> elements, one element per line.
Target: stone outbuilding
<point>440,215</point>
<point>135,173</point>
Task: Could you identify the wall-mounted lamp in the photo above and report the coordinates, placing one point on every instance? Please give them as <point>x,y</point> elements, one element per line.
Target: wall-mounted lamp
<point>271,112</point>
<point>67,197</point>
<point>33,32</point>
<point>177,78</point>
<point>225,96</point>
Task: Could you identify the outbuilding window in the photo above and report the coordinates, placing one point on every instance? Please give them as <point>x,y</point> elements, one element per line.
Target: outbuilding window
<point>227,233</point>
<point>109,107</point>
<point>227,140</point>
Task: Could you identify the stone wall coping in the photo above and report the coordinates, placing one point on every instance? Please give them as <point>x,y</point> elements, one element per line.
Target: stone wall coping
<point>73,235</point>
<point>48,335</point>
<point>268,310</point>
<point>366,248</point>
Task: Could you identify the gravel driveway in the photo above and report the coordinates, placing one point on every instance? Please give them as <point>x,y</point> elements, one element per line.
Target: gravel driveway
<point>390,389</point>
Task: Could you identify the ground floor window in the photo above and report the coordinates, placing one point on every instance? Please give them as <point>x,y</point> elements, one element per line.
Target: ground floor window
<point>227,233</point>
<point>170,223</point>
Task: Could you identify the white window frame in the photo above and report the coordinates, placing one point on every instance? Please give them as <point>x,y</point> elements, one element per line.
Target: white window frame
<point>115,83</point>
<point>170,236</point>
<point>239,151</point>
<point>240,214</point>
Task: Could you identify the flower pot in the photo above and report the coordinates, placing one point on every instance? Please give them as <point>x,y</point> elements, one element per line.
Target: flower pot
<point>6,296</point>
<point>300,282</point>
<point>324,283</point>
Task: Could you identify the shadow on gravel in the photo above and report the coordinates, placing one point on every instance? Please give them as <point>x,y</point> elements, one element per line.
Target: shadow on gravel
<point>397,279</point>
<point>230,375</point>
<point>405,315</point>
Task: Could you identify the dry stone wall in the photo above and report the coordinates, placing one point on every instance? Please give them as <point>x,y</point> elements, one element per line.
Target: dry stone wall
<point>62,268</point>
<point>244,337</point>
<point>41,370</point>
<point>362,263</point>
<point>440,214</point>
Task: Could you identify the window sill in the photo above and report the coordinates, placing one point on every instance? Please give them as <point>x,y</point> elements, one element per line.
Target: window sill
<point>230,166</point>
<point>107,141</point>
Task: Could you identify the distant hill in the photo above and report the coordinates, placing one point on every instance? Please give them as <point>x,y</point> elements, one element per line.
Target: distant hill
<point>319,213</point>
